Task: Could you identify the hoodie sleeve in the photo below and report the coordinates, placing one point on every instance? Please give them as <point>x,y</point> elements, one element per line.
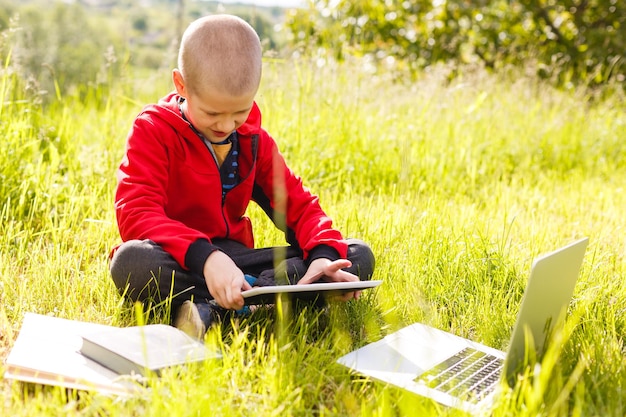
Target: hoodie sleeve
<point>141,196</point>
<point>294,208</point>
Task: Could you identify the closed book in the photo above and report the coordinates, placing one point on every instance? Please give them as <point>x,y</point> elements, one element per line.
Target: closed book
<point>144,349</point>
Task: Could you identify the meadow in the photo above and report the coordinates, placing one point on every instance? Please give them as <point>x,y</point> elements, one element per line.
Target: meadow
<point>456,184</point>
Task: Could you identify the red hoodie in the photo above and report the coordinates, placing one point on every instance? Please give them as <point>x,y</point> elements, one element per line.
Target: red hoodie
<point>169,190</point>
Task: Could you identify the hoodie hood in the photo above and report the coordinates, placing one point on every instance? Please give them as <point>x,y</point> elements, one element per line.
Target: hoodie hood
<point>172,116</point>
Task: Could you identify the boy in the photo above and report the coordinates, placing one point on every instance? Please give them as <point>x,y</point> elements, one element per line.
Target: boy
<point>193,162</point>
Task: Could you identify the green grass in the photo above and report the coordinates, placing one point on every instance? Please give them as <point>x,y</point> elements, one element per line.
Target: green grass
<point>456,185</point>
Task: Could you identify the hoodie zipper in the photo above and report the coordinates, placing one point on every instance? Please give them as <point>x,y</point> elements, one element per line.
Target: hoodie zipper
<point>207,143</point>
<point>254,142</point>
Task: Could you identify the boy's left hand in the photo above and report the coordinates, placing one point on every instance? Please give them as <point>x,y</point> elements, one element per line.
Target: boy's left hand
<point>331,271</point>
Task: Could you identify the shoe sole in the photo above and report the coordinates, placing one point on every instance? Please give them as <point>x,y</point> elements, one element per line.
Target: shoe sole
<point>188,320</point>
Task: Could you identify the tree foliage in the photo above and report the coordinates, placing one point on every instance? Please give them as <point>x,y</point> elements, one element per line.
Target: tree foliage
<point>57,49</point>
<point>567,40</point>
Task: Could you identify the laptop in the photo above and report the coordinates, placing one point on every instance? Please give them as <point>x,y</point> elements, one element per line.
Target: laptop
<point>306,292</point>
<point>458,372</point>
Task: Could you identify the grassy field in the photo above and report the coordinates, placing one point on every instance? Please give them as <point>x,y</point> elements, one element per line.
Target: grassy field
<point>456,186</point>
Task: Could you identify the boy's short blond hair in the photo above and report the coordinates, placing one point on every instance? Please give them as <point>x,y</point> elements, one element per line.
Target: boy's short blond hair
<point>223,52</point>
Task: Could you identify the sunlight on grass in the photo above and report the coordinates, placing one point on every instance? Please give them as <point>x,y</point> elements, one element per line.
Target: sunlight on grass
<point>457,185</point>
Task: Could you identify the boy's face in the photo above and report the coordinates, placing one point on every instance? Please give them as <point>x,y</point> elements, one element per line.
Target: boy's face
<point>215,114</point>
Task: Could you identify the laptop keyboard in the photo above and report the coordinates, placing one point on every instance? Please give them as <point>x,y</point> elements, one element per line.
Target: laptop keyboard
<point>470,374</point>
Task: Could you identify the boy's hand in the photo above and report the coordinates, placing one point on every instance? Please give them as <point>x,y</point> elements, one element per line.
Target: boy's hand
<point>224,280</point>
<point>331,271</point>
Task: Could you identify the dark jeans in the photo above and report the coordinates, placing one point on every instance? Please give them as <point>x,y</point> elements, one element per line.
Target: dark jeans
<point>143,271</point>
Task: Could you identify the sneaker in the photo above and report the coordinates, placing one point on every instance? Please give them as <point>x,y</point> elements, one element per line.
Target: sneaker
<point>193,319</point>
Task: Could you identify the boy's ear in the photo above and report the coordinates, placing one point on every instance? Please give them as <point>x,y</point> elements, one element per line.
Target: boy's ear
<point>179,83</point>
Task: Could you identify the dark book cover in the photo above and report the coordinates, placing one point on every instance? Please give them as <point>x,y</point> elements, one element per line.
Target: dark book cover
<point>144,349</point>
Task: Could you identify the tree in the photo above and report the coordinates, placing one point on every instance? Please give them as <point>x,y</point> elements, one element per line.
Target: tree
<point>570,41</point>
<point>586,37</point>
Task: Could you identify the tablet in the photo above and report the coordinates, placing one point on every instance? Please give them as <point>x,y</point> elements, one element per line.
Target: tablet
<point>267,295</point>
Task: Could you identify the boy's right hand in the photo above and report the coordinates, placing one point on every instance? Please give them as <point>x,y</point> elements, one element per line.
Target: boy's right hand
<point>224,280</point>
